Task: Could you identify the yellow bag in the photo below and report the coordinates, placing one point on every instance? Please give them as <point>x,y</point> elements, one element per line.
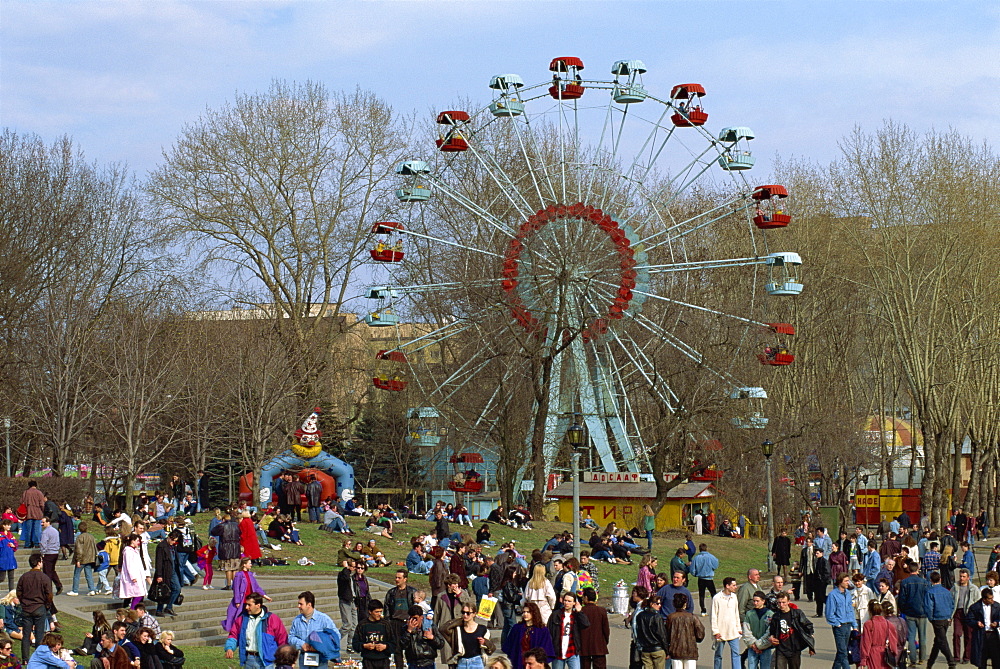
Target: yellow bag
<point>486,606</point>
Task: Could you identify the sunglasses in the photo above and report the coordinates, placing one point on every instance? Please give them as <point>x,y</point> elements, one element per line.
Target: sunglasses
<point>467,613</point>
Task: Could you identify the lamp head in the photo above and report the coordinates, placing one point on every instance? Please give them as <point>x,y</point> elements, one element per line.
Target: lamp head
<point>767,448</point>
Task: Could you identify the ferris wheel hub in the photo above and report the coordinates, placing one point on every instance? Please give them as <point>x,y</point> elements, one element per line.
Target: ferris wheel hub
<point>572,254</point>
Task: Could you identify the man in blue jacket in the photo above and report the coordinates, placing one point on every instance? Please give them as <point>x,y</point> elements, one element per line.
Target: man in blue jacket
<point>840,616</point>
<point>703,565</point>
<point>940,606</point>
<point>911,604</point>
<point>871,566</point>
<point>308,621</point>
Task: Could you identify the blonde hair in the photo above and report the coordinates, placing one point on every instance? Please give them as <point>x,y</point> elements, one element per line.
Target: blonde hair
<point>9,598</point>
<point>498,661</point>
<point>538,579</point>
<point>166,633</point>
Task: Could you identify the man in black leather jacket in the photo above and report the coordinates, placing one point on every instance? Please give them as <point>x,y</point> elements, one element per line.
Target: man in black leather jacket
<point>651,633</point>
<point>420,643</point>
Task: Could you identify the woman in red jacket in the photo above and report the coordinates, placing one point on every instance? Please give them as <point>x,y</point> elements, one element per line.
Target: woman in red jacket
<point>248,537</point>
<point>878,636</point>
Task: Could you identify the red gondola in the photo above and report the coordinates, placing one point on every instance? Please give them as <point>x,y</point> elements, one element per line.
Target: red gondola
<point>568,88</point>
<point>768,215</point>
<point>689,114</point>
<point>386,255</point>
<point>469,480</point>
<point>384,383</point>
<point>779,359</point>
<point>452,144</point>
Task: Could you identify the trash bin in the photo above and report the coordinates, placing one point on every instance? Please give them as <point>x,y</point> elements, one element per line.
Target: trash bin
<point>619,598</point>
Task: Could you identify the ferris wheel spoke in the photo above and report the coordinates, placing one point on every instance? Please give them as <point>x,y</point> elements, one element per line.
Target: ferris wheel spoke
<point>506,186</point>
<point>685,177</point>
<point>529,160</point>
<point>681,346</point>
<point>699,265</point>
<point>470,206</point>
<point>689,305</point>
<point>640,363</point>
<point>448,242</point>
<point>712,215</point>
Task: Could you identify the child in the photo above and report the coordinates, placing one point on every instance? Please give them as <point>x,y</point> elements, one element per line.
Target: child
<point>8,544</point>
<point>420,599</point>
<point>113,544</point>
<point>481,584</point>
<point>374,639</point>
<point>206,554</point>
<point>103,563</point>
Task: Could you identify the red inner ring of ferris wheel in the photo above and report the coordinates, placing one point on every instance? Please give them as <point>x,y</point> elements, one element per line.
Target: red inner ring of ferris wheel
<point>624,256</point>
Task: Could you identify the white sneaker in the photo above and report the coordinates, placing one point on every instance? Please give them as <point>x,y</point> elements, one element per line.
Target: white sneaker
<point>72,594</point>
<point>275,547</point>
<point>92,593</point>
<point>207,587</point>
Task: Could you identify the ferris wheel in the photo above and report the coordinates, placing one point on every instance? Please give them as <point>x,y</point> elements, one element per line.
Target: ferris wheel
<point>589,221</point>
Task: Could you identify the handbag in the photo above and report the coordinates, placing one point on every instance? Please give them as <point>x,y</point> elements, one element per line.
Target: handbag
<point>179,600</point>
<point>890,657</point>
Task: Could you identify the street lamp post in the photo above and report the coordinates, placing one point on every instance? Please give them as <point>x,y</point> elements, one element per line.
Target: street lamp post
<point>768,450</point>
<point>574,435</point>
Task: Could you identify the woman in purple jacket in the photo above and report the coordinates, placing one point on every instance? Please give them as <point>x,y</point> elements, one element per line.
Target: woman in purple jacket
<point>531,632</point>
<point>243,584</point>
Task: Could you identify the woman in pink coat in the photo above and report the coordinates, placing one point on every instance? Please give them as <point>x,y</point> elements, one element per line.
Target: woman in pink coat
<point>132,584</point>
<point>878,635</point>
<point>248,537</point>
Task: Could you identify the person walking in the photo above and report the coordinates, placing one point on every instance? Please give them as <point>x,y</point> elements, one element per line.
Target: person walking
<point>255,634</point>
<point>684,633</point>
<point>703,566</point>
<point>421,640</point>
<point>49,548</point>
<point>872,565</point>
<point>249,543</point>
<point>781,552</point>
<point>34,591</point>
<point>964,595</point>
<point>244,583</point>
<point>132,586</point>
<point>878,639</point>
<point>651,635</point>
<point>398,601</point>
<point>745,593</point>
<point>309,621</point>
<point>791,633</point>
<point>820,577</point>
<point>373,639</point>
<point>840,616</point>
<point>33,500</point>
<point>594,639</point>
<point>529,632</point>
<point>726,626</point>
<point>540,591</point>
<point>756,633</point>
<point>910,601</point>
<point>984,619</point>
<point>940,607</point>
<point>669,590</point>
<point>166,572</point>
<point>85,558</point>
<point>229,537</point>
<point>347,595</point>
<point>648,525</point>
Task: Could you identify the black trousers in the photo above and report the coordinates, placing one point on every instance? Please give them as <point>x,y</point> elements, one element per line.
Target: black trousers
<point>990,651</point>
<point>787,661</point>
<point>940,643</point>
<point>703,585</point>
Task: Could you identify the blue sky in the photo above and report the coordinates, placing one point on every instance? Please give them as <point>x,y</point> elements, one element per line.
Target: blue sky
<point>123,78</point>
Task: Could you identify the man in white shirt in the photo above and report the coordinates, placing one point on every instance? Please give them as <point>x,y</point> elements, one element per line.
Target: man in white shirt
<point>726,626</point>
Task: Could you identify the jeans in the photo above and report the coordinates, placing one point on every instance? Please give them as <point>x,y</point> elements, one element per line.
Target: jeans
<point>422,567</point>
<point>841,636</point>
<point>734,652</point>
<point>254,662</point>
<point>88,572</point>
<point>760,660</point>
<point>336,525</point>
<point>917,627</point>
<point>157,534</point>
<point>940,642</point>
<point>37,621</point>
<point>313,514</point>
<point>477,663</point>
<point>601,555</point>
<point>649,539</point>
<point>569,663</point>
<point>175,591</point>
<point>31,533</point>
<point>507,611</point>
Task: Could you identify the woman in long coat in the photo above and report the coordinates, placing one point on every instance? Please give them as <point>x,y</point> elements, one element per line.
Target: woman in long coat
<point>879,634</point>
<point>248,538</point>
<point>243,584</point>
<point>132,584</point>
<point>530,633</point>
